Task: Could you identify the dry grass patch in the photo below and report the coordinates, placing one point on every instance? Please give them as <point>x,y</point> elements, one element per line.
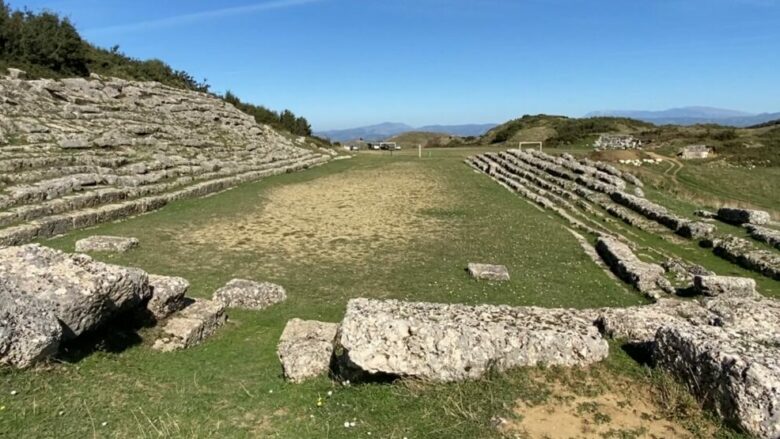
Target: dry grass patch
<point>341,218</point>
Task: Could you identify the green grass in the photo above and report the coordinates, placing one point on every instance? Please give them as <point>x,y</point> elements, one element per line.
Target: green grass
<point>231,386</point>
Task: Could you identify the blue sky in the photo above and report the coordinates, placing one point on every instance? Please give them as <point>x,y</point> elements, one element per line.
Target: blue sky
<point>345,63</point>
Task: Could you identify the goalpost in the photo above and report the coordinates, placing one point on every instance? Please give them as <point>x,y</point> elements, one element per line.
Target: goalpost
<point>530,143</point>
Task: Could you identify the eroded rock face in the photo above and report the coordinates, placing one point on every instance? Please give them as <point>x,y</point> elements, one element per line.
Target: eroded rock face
<point>646,277</point>
<point>167,295</point>
<point>740,216</point>
<point>102,243</point>
<point>724,285</point>
<point>444,342</point>
<point>241,293</point>
<point>29,331</point>
<point>82,293</point>
<point>488,272</point>
<point>305,348</point>
<point>765,234</point>
<point>638,324</point>
<point>190,326</point>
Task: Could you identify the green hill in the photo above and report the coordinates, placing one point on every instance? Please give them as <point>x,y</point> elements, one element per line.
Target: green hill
<point>560,130</point>
<point>427,139</point>
<point>46,45</point>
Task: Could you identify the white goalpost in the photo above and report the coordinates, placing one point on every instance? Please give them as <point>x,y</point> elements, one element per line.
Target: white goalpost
<point>520,146</point>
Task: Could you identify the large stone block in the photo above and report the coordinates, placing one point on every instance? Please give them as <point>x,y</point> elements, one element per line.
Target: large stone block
<point>241,293</point>
<point>82,293</point>
<point>190,326</point>
<point>102,243</point>
<point>738,378</point>
<point>488,272</point>
<point>29,330</point>
<point>646,277</point>
<point>724,285</point>
<point>167,295</point>
<point>445,342</point>
<point>305,348</point>
<point>739,216</point>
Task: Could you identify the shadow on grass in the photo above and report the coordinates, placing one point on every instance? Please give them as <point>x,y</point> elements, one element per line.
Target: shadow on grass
<point>114,337</point>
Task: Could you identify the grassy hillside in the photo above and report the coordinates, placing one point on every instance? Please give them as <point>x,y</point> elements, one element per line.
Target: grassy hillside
<point>427,139</point>
<point>560,130</point>
<point>46,45</point>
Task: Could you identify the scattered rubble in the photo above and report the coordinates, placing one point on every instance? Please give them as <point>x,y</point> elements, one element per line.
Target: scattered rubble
<point>305,348</point>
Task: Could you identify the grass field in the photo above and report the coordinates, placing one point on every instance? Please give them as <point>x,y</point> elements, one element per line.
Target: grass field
<point>377,225</point>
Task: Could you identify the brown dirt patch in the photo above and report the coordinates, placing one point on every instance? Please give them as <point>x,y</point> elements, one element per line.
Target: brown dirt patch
<point>622,410</point>
<point>344,218</point>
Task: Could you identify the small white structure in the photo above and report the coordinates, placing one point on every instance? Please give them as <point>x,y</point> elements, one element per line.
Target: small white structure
<point>694,152</point>
<point>520,146</point>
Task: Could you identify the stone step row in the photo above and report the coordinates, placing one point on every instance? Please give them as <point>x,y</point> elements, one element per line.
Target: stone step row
<point>59,224</point>
<point>94,196</point>
<point>528,190</point>
<point>742,253</point>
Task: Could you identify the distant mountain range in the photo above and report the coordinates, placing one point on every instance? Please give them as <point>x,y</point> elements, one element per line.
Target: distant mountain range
<point>388,129</point>
<point>692,116</point>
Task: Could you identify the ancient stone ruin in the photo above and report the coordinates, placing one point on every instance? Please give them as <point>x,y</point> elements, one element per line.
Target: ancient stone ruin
<point>79,152</point>
<point>617,141</point>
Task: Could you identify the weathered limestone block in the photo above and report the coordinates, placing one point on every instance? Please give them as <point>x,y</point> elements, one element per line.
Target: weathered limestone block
<point>240,293</point>
<point>102,243</point>
<point>82,293</point>
<point>29,331</point>
<point>741,252</point>
<point>738,378</point>
<point>167,295</point>
<point>696,230</point>
<point>765,234</point>
<point>638,324</point>
<point>646,277</point>
<point>488,272</point>
<point>740,216</point>
<point>724,285</point>
<point>191,325</point>
<point>446,342</point>
<point>305,348</point>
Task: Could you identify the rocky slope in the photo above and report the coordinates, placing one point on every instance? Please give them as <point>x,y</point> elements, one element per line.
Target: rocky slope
<point>77,152</point>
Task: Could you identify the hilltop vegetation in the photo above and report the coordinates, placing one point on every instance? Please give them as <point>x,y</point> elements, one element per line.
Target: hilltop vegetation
<point>560,130</point>
<point>46,45</point>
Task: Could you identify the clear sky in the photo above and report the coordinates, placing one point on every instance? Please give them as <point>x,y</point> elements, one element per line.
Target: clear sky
<point>345,63</point>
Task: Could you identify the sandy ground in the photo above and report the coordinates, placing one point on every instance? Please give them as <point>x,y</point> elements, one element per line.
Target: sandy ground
<point>342,218</point>
<point>623,410</point>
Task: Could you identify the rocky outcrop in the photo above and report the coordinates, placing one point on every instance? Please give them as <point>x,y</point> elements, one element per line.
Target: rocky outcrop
<point>445,342</point>
<point>83,294</point>
<point>639,324</point>
<point>29,330</point>
<point>190,326</point>
<point>740,216</point>
<point>101,243</point>
<point>488,272</point>
<point>167,295</point>
<point>724,285</point>
<point>644,276</point>
<point>305,348</point>
<point>241,293</point>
